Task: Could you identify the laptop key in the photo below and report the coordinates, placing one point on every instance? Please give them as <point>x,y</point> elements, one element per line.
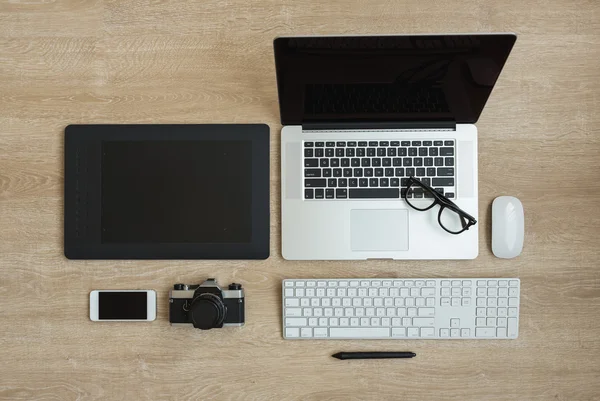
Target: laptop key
<point>340,144</point>
<point>341,193</point>
<point>365,162</point>
<point>431,171</point>
<point>395,143</point>
<point>399,172</point>
<point>358,172</point>
<point>449,161</point>
<point>319,144</point>
<point>389,172</point>
<point>326,172</point>
<point>426,143</point>
<point>450,195</point>
<point>391,152</point>
<point>384,143</point>
<point>347,172</point>
<point>443,182</point>
<point>368,172</point>
<point>332,182</point>
<point>394,182</point>
<point>448,143</point>
<point>337,172</point>
<point>428,161</point>
<point>329,193</point>
<point>360,152</point>
<point>378,172</point>
<point>351,143</point>
<point>355,162</point>
<point>386,162</point>
<point>445,172</point>
<point>422,151</point>
<point>315,183</point>
<point>343,182</point>
<point>339,152</point>
<point>350,152</point>
<point>308,144</point>
<point>438,161</point>
<point>335,162</point>
<point>312,172</point>
<point>363,182</point>
<point>319,153</point>
<point>420,172</point>
<point>376,162</point>
<point>407,162</point>
<point>410,172</point>
<point>373,143</point>
<point>405,143</point>
<point>368,193</point>
<point>446,151</point>
<point>345,162</point>
<point>329,152</point>
<point>380,151</point>
<point>311,162</point>
<point>362,143</point>
<point>401,151</point>
<point>438,143</point>
<point>330,144</point>
<point>416,143</point>
<point>308,153</point>
<point>396,161</point>
<point>353,182</point>
<point>384,182</point>
<point>319,193</point>
<point>433,151</point>
<point>309,193</point>
<point>324,162</point>
<point>418,161</point>
<point>374,182</point>
<point>412,151</point>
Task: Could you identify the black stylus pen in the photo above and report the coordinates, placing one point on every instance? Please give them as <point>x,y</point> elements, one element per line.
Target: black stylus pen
<point>373,355</point>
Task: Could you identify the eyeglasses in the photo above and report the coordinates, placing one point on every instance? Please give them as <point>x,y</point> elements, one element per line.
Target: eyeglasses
<point>422,197</point>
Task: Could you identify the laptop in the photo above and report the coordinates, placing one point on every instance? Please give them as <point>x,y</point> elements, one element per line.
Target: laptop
<point>362,114</point>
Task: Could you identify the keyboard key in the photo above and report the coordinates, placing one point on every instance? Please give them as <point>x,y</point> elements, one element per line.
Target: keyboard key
<point>418,161</point>
<point>433,151</point>
<point>363,182</point>
<point>384,182</point>
<point>416,143</point>
<point>319,193</point>
<point>373,143</point>
<point>365,162</point>
<point>345,162</point>
<point>308,194</point>
<point>329,152</point>
<point>428,161</point>
<point>405,143</point>
<point>362,143</point>
<point>319,153</point>
<point>402,152</point>
<point>386,162</point>
<point>332,182</point>
<point>329,193</point>
<point>446,151</point>
<point>327,172</point>
<point>370,152</point>
<point>396,161</point>
<point>395,143</point>
<point>343,182</point>
<point>449,161</point>
<point>448,143</point>
<point>308,144</point>
<point>315,183</point>
<point>360,152</point>
<point>405,162</point>
<point>427,143</point>
<point>391,152</point>
<point>319,144</point>
<point>438,161</point>
<point>374,182</point>
<point>485,332</point>
<point>340,144</point>
<point>339,152</point>
<point>311,162</point>
<point>312,172</point>
<point>368,172</point>
<point>337,172</point>
<point>305,332</point>
<point>308,153</point>
<point>378,172</point>
<point>384,143</point>
<point>360,332</point>
<point>431,171</point>
<point>410,172</point>
<point>341,193</point>
<point>374,193</point>
<point>389,172</point>
<point>438,143</point>
<point>445,172</point>
<point>351,143</point>
<point>355,162</point>
<point>422,151</point>
<point>335,162</point>
<point>412,151</point>
<point>353,182</point>
<point>358,172</point>
<point>350,152</point>
<point>380,152</point>
<point>347,172</point>
<point>376,162</point>
<point>420,172</point>
<point>297,321</point>
<point>450,195</point>
<point>443,182</point>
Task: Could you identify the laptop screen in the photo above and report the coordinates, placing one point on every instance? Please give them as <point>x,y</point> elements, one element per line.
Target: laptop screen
<point>388,78</point>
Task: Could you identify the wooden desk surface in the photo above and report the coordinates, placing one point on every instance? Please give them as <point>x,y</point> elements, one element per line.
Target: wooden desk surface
<point>79,61</point>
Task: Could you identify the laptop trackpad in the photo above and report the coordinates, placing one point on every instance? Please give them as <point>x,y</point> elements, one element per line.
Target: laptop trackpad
<point>379,230</point>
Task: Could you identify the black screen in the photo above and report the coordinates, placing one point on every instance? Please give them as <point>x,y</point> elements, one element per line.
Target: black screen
<point>176,192</point>
<point>388,78</point>
<point>122,305</point>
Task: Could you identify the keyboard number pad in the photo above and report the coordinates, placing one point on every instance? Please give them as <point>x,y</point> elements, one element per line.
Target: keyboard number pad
<point>497,304</point>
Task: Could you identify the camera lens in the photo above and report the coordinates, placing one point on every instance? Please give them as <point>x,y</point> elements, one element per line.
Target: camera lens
<point>207,311</point>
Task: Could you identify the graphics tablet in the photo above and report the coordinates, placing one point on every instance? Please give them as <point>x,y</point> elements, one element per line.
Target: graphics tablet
<point>167,191</point>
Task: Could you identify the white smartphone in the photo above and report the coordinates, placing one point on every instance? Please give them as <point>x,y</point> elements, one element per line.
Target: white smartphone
<point>122,305</point>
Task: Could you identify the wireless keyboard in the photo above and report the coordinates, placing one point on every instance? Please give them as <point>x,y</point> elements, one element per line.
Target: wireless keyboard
<point>465,308</point>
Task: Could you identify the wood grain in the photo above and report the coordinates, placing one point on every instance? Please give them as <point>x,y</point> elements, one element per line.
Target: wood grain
<point>162,61</point>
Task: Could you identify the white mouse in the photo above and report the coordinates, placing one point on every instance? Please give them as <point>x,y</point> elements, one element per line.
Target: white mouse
<point>508,227</point>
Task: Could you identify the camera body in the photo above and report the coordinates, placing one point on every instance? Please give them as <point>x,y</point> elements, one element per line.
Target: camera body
<point>207,306</point>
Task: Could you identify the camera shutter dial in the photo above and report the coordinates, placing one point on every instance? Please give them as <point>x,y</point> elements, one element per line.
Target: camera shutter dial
<point>207,311</point>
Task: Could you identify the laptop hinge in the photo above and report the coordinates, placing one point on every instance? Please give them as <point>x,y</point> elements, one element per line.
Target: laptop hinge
<point>384,125</point>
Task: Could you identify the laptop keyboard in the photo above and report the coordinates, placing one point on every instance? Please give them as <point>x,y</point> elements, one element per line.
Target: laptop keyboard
<point>376,169</point>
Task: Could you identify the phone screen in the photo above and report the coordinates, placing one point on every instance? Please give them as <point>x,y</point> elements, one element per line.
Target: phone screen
<point>122,305</point>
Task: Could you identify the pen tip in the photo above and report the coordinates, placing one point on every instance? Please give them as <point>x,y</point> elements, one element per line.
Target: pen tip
<point>338,355</point>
